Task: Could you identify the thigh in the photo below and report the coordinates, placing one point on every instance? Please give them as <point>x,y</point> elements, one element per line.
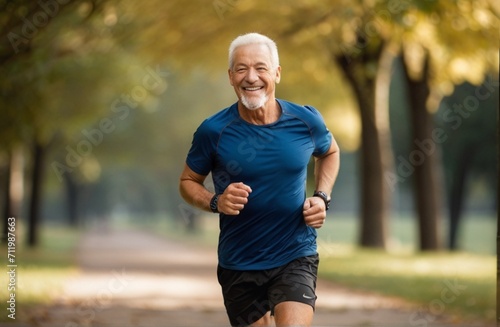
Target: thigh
<point>295,282</point>
<point>245,295</point>
<point>291,313</point>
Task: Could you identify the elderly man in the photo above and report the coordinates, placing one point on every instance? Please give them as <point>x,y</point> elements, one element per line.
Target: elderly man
<point>258,150</point>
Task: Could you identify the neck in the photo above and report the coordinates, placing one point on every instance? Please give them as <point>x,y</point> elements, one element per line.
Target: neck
<point>265,115</point>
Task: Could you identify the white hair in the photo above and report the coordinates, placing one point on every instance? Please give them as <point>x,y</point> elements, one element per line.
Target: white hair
<point>254,38</point>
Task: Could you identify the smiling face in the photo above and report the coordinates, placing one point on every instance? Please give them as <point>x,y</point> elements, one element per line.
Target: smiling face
<point>253,77</point>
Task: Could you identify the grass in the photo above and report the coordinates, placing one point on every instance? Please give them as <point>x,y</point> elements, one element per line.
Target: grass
<point>477,234</point>
<point>40,271</point>
<point>460,285</point>
<point>418,277</point>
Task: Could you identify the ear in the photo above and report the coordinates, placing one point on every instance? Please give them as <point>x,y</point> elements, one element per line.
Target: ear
<point>230,77</point>
<point>278,74</point>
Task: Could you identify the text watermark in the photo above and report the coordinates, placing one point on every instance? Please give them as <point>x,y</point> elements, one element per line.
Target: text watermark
<point>11,267</point>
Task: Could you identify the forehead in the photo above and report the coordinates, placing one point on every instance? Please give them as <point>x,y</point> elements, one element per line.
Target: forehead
<point>252,54</point>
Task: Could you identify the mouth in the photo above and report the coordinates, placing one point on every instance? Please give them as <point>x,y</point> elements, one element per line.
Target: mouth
<point>254,88</point>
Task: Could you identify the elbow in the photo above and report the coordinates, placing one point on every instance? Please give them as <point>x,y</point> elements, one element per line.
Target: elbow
<point>183,189</point>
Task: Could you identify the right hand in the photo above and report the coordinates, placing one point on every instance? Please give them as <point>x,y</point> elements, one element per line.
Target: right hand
<point>234,198</point>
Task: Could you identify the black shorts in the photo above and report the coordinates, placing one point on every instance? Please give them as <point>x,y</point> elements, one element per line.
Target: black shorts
<point>249,295</point>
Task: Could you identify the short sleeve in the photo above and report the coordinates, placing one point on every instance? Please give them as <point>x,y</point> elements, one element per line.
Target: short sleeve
<point>321,135</point>
<point>200,156</point>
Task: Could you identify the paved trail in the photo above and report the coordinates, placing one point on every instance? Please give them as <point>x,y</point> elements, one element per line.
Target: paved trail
<point>132,278</point>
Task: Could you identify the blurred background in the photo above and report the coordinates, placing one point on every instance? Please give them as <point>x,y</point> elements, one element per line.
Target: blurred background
<point>99,101</point>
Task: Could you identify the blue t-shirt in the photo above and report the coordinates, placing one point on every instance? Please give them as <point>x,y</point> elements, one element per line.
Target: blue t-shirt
<point>272,159</point>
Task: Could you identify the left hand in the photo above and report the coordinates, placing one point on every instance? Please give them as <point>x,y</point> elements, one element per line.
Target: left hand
<point>314,212</point>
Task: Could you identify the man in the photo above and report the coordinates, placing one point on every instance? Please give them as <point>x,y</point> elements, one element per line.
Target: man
<point>257,151</point>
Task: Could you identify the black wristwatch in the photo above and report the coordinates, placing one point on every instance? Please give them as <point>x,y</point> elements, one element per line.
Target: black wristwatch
<point>325,198</point>
<point>213,203</point>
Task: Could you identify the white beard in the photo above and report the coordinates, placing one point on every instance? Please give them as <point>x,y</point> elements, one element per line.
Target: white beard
<point>255,103</point>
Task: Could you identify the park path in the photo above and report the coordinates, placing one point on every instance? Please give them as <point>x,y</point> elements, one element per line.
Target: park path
<point>136,278</point>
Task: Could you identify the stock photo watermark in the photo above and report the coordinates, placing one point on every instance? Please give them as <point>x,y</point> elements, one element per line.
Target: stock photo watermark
<point>249,148</point>
<point>454,118</point>
<point>153,82</point>
<point>371,27</point>
<point>88,309</point>
<point>11,268</point>
<point>31,25</point>
<point>223,6</point>
<point>435,308</point>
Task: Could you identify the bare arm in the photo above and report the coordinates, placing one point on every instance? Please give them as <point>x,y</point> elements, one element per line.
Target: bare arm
<point>194,192</point>
<point>192,189</point>
<point>326,169</point>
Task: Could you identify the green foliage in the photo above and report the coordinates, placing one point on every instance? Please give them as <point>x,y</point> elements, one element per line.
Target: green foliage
<point>460,285</point>
<point>42,271</point>
<point>414,276</point>
<point>421,279</point>
<point>469,117</point>
<point>418,278</point>
<point>68,74</point>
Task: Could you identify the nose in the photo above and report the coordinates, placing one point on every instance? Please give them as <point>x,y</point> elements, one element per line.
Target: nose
<point>252,76</point>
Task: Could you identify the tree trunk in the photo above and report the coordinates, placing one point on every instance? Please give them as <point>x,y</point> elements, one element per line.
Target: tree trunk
<point>36,194</point>
<point>498,227</point>
<point>6,204</point>
<point>7,208</point>
<point>457,191</point>
<point>72,200</point>
<point>424,158</point>
<point>375,147</point>
<point>14,187</point>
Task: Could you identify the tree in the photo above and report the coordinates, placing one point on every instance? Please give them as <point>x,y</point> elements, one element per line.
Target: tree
<point>80,51</point>
<point>470,149</point>
<point>437,40</point>
<point>14,188</point>
<point>374,147</point>
<point>39,42</point>
<point>425,160</point>
<point>315,28</point>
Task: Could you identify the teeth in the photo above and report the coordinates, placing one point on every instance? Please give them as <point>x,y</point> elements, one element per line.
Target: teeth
<point>252,88</point>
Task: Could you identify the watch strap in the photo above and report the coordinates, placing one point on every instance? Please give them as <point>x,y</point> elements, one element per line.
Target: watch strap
<point>213,203</point>
<point>324,197</point>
